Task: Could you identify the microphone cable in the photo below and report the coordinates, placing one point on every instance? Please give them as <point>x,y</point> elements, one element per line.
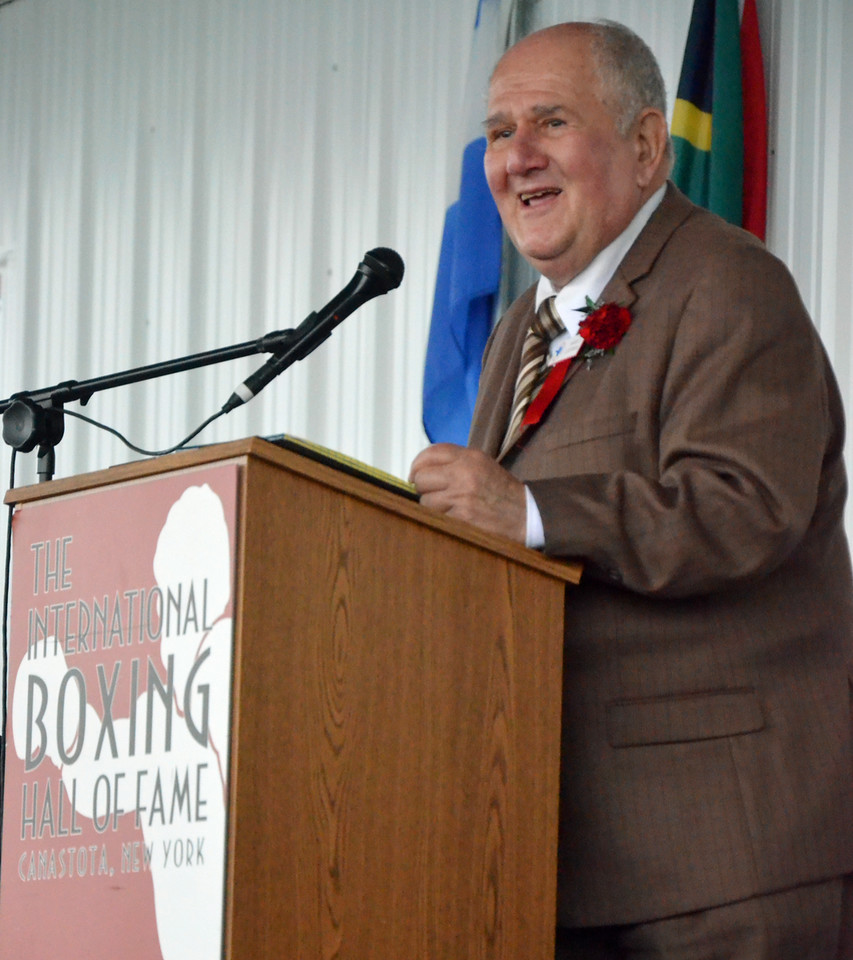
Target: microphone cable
<point>142,450</point>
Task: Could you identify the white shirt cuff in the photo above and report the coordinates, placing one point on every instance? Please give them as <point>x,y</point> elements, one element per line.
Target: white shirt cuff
<point>535,532</point>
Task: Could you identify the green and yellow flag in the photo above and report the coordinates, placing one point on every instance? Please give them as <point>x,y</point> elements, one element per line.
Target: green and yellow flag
<point>707,122</point>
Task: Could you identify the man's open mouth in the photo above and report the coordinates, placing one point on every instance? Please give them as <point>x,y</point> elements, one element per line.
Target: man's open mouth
<point>534,195</point>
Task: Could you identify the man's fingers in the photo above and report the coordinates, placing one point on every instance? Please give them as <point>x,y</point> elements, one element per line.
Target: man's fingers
<point>470,486</point>
<point>438,455</point>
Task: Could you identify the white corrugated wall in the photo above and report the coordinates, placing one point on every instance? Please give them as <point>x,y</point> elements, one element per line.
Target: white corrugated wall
<point>176,177</point>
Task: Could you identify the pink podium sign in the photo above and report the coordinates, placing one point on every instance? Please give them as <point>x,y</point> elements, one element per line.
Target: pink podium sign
<point>116,778</point>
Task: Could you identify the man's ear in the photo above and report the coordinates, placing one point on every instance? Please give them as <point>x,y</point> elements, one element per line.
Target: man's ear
<point>651,139</point>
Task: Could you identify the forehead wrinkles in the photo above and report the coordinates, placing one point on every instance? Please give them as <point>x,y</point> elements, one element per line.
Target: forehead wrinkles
<point>547,77</point>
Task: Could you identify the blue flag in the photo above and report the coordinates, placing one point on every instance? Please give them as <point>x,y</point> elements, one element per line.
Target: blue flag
<point>469,267</point>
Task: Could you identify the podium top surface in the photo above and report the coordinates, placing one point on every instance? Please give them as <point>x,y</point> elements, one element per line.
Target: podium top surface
<point>257,448</point>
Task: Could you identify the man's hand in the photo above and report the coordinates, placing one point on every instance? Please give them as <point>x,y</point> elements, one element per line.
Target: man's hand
<point>469,485</point>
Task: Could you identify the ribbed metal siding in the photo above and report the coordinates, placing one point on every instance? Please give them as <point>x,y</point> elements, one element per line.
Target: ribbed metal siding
<point>811,196</point>
<point>180,176</point>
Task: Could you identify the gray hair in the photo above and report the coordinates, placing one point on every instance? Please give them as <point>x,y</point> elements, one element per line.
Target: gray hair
<point>629,72</point>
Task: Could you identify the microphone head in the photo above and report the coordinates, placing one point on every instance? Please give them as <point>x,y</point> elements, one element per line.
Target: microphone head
<point>385,266</point>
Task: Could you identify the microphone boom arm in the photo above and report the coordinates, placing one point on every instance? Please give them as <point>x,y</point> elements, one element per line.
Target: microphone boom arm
<point>82,390</point>
<point>35,418</point>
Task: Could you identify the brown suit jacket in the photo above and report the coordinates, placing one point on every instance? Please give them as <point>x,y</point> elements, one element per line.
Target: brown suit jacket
<point>698,471</point>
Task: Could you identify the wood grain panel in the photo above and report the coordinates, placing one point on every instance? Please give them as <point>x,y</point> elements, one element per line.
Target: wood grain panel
<point>395,788</point>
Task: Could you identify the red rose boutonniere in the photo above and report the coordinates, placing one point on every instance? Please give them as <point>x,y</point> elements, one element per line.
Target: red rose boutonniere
<point>602,329</point>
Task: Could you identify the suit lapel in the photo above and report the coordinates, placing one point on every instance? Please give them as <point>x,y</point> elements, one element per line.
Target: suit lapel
<point>673,210</point>
<point>618,290</point>
<point>492,411</point>
<point>574,366</point>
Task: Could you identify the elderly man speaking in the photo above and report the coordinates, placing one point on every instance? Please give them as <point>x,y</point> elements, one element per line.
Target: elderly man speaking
<point>659,405</point>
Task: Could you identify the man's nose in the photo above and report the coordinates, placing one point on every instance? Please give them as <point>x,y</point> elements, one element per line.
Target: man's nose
<point>525,154</point>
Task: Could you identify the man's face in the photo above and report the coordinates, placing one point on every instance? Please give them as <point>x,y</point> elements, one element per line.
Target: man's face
<point>564,179</point>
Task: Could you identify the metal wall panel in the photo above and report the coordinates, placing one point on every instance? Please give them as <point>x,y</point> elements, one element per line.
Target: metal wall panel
<point>176,177</point>
<point>811,186</point>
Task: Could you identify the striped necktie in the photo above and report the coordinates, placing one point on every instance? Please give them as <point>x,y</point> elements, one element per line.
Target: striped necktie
<point>543,328</point>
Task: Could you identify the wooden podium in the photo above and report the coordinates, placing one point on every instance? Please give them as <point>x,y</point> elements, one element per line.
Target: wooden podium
<point>395,724</point>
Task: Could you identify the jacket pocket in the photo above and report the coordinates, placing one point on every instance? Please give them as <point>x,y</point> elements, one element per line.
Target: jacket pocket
<point>595,428</point>
<point>684,718</point>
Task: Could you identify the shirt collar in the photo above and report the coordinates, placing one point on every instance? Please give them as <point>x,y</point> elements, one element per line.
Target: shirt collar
<point>594,278</point>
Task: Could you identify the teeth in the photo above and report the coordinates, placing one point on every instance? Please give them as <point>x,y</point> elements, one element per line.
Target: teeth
<point>527,197</point>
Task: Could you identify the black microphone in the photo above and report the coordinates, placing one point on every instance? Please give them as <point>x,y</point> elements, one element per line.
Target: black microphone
<point>381,270</point>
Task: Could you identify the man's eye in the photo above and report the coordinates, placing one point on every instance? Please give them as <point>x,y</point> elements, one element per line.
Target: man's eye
<point>555,122</point>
